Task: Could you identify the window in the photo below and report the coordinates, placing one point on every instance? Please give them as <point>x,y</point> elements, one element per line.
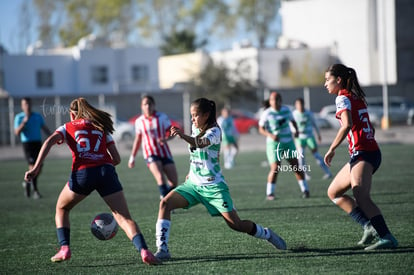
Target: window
<point>99,74</point>
<point>44,78</point>
<point>140,73</point>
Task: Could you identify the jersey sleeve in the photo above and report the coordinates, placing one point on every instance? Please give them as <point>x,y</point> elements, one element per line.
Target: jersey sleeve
<point>138,129</point>
<point>17,121</point>
<point>263,118</point>
<point>213,135</point>
<point>62,131</point>
<point>342,104</point>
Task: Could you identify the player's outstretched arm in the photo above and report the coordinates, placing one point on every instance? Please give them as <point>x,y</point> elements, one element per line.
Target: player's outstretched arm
<point>44,151</point>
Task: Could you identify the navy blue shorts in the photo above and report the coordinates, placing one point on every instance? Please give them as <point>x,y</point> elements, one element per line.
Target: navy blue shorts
<point>154,158</point>
<point>31,150</point>
<point>103,179</point>
<point>372,157</point>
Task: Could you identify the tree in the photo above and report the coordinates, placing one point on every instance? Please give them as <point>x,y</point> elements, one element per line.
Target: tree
<point>224,85</point>
<point>260,18</point>
<point>181,42</point>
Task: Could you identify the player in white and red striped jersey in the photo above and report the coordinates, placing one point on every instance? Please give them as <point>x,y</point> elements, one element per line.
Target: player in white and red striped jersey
<point>152,132</point>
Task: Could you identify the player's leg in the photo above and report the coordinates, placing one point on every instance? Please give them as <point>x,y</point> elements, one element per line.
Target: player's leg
<point>172,201</point>
<point>35,150</point>
<point>271,180</point>
<point>246,226</point>
<point>300,177</point>
<point>66,201</point>
<point>171,172</point>
<point>118,205</point>
<point>361,179</point>
<point>156,169</point>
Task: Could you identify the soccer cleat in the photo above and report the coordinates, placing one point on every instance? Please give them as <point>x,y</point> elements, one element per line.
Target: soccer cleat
<point>305,195</point>
<point>36,195</point>
<point>63,254</point>
<point>270,197</point>
<point>148,258</point>
<point>276,240</point>
<point>162,254</point>
<point>388,241</point>
<point>369,235</point>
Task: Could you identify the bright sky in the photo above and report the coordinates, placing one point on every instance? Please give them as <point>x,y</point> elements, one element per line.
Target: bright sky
<point>9,28</point>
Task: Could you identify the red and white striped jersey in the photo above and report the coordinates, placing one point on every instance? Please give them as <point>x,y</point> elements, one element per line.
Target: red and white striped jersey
<point>361,136</point>
<point>87,143</point>
<point>152,129</point>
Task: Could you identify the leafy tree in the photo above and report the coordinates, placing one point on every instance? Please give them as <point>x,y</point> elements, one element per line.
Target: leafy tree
<point>224,85</point>
<point>260,18</point>
<point>181,42</point>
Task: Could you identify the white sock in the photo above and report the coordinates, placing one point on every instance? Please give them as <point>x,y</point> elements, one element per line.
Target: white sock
<point>270,188</point>
<point>303,185</point>
<point>162,234</point>
<point>261,233</point>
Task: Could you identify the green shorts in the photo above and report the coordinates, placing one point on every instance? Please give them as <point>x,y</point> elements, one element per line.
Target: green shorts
<point>307,142</point>
<point>230,140</point>
<point>215,197</point>
<point>278,151</point>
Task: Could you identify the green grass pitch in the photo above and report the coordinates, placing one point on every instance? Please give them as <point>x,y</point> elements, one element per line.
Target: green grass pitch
<point>321,238</point>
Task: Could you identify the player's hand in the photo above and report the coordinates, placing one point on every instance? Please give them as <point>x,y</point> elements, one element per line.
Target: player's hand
<point>275,137</point>
<point>175,131</point>
<point>30,175</point>
<point>131,162</point>
<point>328,157</point>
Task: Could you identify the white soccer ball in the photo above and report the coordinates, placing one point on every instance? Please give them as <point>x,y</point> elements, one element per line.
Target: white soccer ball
<point>104,226</point>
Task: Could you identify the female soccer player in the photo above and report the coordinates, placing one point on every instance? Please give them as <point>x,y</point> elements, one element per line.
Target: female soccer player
<point>205,183</point>
<point>351,110</point>
<point>306,123</point>
<point>94,153</point>
<point>152,131</point>
<point>229,137</point>
<point>274,124</point>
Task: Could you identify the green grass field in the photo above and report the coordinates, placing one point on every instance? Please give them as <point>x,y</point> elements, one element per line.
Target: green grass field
<point>321,238</point>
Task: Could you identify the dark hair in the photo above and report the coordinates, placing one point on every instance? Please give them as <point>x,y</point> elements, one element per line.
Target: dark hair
<point>150,99</point>
<point>28,100</point>
<point>100,119</point>
<point>349,79</point>
<point>300,100</point>
<point>205,105</point>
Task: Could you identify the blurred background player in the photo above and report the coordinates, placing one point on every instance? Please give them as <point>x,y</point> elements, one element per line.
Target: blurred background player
<point>306,123</point>
<point>230,137</point>
<point>28,126</point>
<point>351,110</point>
<point>274,125</point>
<point>205,183</point>
<point>152,131</point>
<point>94,153</point>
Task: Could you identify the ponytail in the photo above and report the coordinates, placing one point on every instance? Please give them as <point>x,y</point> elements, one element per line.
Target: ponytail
<point>99,119</point>
<point>349,79</point>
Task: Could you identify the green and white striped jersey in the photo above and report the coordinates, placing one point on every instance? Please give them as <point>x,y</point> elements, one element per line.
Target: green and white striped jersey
<point>277,123</point>
<point>305,122</point>
<point>204,162</point>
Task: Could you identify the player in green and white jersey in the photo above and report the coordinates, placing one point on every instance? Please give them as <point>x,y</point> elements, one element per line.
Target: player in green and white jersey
<point>230,136</point>
<point>306,123</point>
<point>274,123</point>
<point>205,183</point>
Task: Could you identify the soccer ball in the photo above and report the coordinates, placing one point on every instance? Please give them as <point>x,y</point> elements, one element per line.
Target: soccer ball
<point>104,226</point>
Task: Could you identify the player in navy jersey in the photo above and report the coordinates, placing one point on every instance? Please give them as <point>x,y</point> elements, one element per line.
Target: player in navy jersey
<point>351,110</point>
<point>94,154</point>
<point>152,131</point>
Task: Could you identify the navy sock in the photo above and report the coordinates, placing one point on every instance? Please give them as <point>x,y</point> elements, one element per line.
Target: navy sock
<point>164,189</point>
<point>63,235</point>
<point>380,226</point>
<point>359,216</point>
<point>139,242</point>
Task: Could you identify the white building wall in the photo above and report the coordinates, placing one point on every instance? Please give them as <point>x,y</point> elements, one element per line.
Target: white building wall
<point>350,27</point>
<point>20,74</point>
